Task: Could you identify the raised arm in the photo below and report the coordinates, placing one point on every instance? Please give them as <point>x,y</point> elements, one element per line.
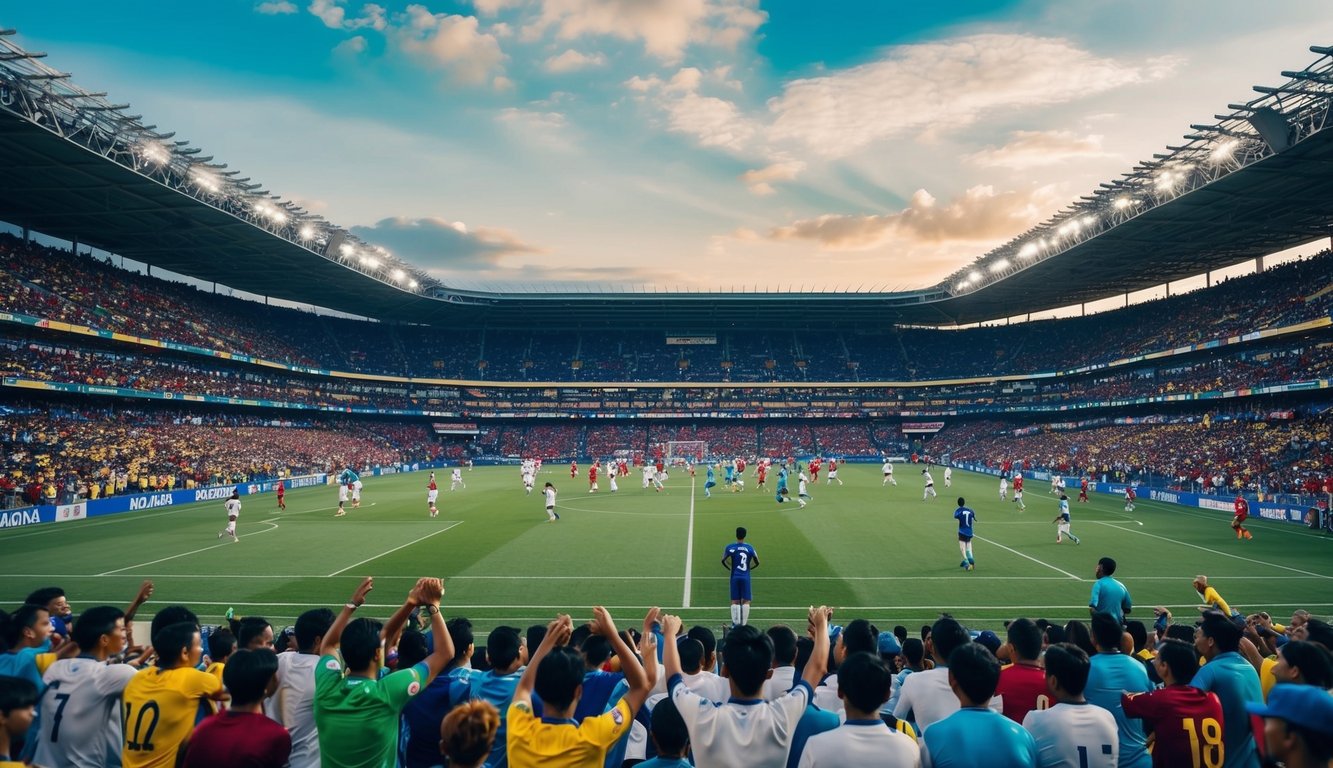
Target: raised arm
<point>141,597</point>
<point>639,684</point>
<point>670,654</point>
<point>818,663</point>
<point>557,633</point>
<point>428,594</point>
<point>335,633</point>
<point>393,628</point>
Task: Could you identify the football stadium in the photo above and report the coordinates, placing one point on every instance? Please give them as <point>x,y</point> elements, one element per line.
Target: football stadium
<point>820,488</point>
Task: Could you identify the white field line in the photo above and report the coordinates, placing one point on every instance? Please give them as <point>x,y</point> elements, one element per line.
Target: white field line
<point>1029,557</point>
<point>801,608</point>
<point>395,549</point>
<point>194,551</point>
<point>689,550</point>
<point>1218,551</point>
<point>619,577</point>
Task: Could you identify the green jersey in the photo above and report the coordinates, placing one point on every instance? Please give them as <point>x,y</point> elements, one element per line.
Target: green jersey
<point>357,718</point>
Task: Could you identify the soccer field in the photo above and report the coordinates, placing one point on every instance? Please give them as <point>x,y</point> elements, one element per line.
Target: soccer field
<point>873,552</point>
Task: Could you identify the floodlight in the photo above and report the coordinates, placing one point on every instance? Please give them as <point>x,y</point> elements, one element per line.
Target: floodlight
<point>1166,180</point>
<point>999,266</point>
<point>1027,251</point>
<point>154,152</point>
<point>1223,152</point>
<point>1088,221</point>
<point>974,276</point>
<point>278,216</point>
<point>412,284</point>
<point>398,275</point>
<point>346,249</point>
<point>1122,203</point>
<point>961,285</point>
<point>307,232</point>
<point>372,262</point>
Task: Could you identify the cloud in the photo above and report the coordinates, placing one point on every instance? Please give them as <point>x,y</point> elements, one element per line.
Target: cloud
<point>665,27</point>
<point>759,180</point>
<point>980,215</point>
<point>334,16</point>
<point>1032,149</point>
<point>351,46</point>
<point>492,7</point>
<point>571,60</point>
<point>453,43</point>
<point>534,127</point>
<point>436,244</point>
<point>278,8</point>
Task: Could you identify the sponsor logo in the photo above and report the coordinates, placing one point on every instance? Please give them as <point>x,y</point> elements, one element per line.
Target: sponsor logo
<point>333,665</point>
<point>1273,513</point>
<point>71,512</point>
<point>413,688</point>
<point>617,716</point>
<point>1218,504</point>
<point>149,502</point>
<point>206,494</point>
<point>18,518</point>
<point>1168,497</point>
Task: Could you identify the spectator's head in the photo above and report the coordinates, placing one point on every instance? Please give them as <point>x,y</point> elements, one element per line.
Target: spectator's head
<point>361,646</point>
<point>1106,632</point>
<point>1316,631</point>
<point>946,635</point>
<point>533,640</point>
<point>1138,631</point>
<point>804,647</point>
<point>1216,634</point>
<point>1067,668</point>
<point>1200,583</point>
<point>178,645</point>
<point>27,627</point>
<point>749,660</point>
<point>889,648</point>
<point>53,599</point>
<point>100,631</point>
<point>560,678</point>
<point>18,702</point>
<point>504,648</point>
<point>1300,661</point>
<point>705,636</point>
<point>254,632</point>
<point>412,649</point>
<point>221,645</point>
<point>172,614</point>
<point>1176,662</point>
<point>1025,638</point>
<point>900,632</point>
<point>1105,567</point>
<point>691,655</point>
<point>468,733</point>
<point>251,675</point>
<point>863,684</point>
<point>1076,632</point>
<point>1052,634</point>
<point>973,674</point>
<point>1298,724</point>
<point>596,650</point>
<point>669,731</point>
<point>989,640</point>
<point>915,652</point>
<point>311,627</point>
<point>859,636</point>
<point>460,632</point>
<point>784,645</point>
<point>1181,632</point>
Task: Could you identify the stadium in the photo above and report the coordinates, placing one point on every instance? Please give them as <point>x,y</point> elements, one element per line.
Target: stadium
<point>178,338</point>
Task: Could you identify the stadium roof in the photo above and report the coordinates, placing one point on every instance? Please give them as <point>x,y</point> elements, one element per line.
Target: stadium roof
<point>78,167</point>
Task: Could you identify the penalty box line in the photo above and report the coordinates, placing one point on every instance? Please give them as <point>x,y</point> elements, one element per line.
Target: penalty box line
<point>450,526</point>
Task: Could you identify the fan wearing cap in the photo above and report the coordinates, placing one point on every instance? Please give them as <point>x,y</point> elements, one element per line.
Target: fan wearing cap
<point>1298,726</point>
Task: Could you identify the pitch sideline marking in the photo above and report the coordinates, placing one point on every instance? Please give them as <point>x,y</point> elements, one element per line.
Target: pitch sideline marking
<point>1216,551</point>
<point>689,550</point>
<point>194,551</point>
<point>395,549</point>
<point>1029,557</point>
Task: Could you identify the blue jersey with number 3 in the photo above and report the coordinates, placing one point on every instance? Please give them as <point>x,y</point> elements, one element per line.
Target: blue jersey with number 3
<point>742,559</point>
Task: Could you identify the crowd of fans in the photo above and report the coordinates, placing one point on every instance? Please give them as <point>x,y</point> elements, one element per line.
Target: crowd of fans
<point>418,691</point>
<point>55,285</point>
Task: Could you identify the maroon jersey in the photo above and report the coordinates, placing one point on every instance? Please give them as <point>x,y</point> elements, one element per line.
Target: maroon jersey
<point>1024,689</point>
<point>1018,488</point>
<point>1187,723</point>
<point>592,474</point>
<point>281,489</point>
<point>1242,509</point>
<point>231,738</point>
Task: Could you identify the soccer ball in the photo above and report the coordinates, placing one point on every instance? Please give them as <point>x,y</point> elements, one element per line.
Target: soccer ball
<point>741,483</point>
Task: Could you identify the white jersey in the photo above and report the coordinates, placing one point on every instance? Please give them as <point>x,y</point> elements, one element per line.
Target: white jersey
<point>709,685</point>
<point>928,699</point>
<point>432,494</point>
<point>293,706</point>
<point>782,680</point>
<point>550,498</point>
<point>342,493</point>
<point>233,507</point>
<point>1004,485</point>
<point>948,473</point>
<point>740,734</point>
<point>1075,735</point>
<point>800,487</point>
<point>929,480</point>
<point>863,742</point>
<point>457,476</point>
<point>888,468</point>
<point>80,725</point>
<point>356,490</point>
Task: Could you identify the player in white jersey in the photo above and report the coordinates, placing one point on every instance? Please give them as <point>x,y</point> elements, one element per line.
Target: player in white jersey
<point>1004,488</point>
<point>1062,522</point>
<point>611,471</point>
<point>233,511</point>
<point>802,493</point>
<point>528,479</point>
<point>1055,484</point>
<point>888,473</point>
<point>456,479</point>
<point>80,724</point>
<point>647,475</point>
<point>948,477</point>
<point>343,491</point>
<point>549,493</point>
<point>659,480</point>
<point>356,494</point>
<point>929,493</point>
<point>1073,732</point>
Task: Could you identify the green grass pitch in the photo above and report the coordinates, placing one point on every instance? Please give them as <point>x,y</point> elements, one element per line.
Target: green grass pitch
<point>870,551</point>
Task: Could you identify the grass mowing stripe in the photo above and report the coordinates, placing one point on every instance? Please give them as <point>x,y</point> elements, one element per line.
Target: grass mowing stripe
<point>1219,552</point>
<point>452,524</point>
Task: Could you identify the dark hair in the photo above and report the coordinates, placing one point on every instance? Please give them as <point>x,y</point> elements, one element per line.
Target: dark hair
<point>975,669</point>
<point>412,649</point>
<point>749,658</point>
<point>596,650</point>
<point>1224,633</point>
<point>804,647</point>
<point>460,633</point>
<point>172,614</point>
<point>1106,631</point>
<point>1181,632</point>
<point>559,675</point>
<point>1180,658</point>
<point>248,673</point>
<point>1312,659</point>
<point>249,628</point>
<point>171,641</point>
<point>576,637</point>
<point>468,731</point>
<point>503,647</point>
<point>1025,636</point>
<point>1069,665</point>
<point>1320,632</point>
<point>1108,565</point>
<point>311,625</point>
<point>900,632</point>
<point>95,622</point>
<point>13,624</point>
<point>947,635</point>
<point>784,644</point>
<point>1139,632</point>
<point>535,635</point>
<point>915,651</point>
<point>704,635</point>
<point>668,729</point>
<point>44,596</point>
<point>1076,632</point>
<point>961,501</point>
<point>16,693</point>
<point>860,636</point>
<point>741,532</point>
<point>360,640</point>
<point>691,654</point>
<point>221,644</point>
<point>865,679</point>
<point>1054,633</point>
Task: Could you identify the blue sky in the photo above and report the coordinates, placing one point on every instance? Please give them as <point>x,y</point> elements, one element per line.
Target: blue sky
<point>698,144</point>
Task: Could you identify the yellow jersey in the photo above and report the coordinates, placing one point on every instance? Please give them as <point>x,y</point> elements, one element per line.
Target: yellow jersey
<point>159,710</point>
<point>548,743</point>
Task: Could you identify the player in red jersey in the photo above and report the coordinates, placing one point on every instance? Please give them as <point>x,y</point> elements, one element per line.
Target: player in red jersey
<point>762,472</point>
<point>816,464</point>
<point>592,478</point>
<point>432,493</point>
<point>833,472</point>
<point>1129,498</point>
<point>1018,490</point>
<point>1083,489</point>
<point>573,470</point>
<point>1186,722</point>
<point>282,491</point>
<point>1242,514</point>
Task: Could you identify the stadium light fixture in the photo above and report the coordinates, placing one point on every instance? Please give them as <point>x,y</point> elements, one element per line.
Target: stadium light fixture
<point>1166,181</point>
<point>999,266</point>
<point>154,153</point>
<point>961,285</point>
<point>1088,221</point>
<point>412,284</point>
<point>372,262</point>
<point>205,180</point>
<point>1121,203</point>
<point>974,276</point>
<point>398,275</point>
<point>307,232</point>
<point>1028,251</point>
<point>1224,151</point>
<point>346,250</point>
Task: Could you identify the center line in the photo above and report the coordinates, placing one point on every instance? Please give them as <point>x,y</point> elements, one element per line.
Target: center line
<point>689,550</point>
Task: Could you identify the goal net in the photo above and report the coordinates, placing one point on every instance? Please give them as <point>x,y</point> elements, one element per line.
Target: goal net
<point>685,452</point>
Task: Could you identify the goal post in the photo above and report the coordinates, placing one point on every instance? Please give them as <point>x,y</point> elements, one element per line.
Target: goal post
<point>680,452</point>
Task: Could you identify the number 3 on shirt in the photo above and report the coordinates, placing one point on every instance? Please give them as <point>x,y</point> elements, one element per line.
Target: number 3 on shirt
<point>141,738</point>
<point>742,560</point>
<point>1208,754</point>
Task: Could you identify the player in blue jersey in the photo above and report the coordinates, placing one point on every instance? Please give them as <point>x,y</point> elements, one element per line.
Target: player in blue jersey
<point>740,558</point>
<point>782,484</point>
<point>965,517</point>
<point>1063,519</point>
<point>709,483</point>
<point>729,474</point>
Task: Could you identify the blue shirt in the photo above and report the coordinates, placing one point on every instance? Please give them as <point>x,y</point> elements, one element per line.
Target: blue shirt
<point>711,479</point>
<point>742,558</point>
<point>597,688</point>
<point>499,691</point>
<point>731,472</point>
<point>965,517</point>
<point>348,476</point>
<point>976,736</point>
<point>1064,509</point>
<point>782,479</point>
<point>1110,596</point>
<point>813,722</point>
<point>1112,674</point>
<point>23,663</point>
<point>1235,682</point>
<point>423,714</point>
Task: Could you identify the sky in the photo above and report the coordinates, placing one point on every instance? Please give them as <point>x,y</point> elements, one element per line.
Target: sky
<point>678,144</point>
